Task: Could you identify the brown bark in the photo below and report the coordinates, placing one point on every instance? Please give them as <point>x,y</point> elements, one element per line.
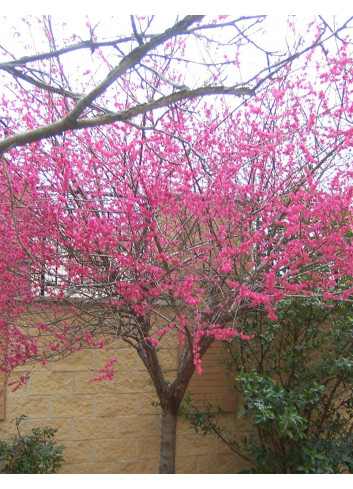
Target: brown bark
<point>170,403</point>
<point>168,439</point>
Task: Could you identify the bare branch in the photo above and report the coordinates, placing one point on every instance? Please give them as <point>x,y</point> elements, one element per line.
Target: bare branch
<point>67,123</point>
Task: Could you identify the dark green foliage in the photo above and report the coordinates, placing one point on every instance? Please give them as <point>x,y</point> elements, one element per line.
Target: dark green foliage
<point>295,384</point>
<point>33,454</point>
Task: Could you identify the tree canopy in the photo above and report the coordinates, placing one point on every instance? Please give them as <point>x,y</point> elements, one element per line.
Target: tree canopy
<point>133,205</point>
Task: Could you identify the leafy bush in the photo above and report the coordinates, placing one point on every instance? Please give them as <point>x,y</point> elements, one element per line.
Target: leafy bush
<point>295,386</point>
<point>33,454</point>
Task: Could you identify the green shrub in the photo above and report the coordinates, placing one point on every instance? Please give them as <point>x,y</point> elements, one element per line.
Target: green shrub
<point>33,454</point>
<point>295,387</point>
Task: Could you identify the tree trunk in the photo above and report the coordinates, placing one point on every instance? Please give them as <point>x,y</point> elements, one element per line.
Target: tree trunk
<point>168,441</point>
<point>170,399</point>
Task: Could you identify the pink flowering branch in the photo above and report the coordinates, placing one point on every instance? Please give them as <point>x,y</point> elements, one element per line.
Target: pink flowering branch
<point>148,225</point>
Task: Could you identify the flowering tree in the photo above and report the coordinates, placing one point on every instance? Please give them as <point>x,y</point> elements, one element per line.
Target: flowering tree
<point>140,208</point>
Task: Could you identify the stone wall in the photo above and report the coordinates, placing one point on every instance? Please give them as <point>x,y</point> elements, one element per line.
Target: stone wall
<point>114,426</point>
<point>2,394</point>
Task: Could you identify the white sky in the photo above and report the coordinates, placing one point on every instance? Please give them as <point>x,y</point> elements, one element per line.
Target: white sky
<point>181,6</point>
<point>35,7</point>
<point>251,61</point>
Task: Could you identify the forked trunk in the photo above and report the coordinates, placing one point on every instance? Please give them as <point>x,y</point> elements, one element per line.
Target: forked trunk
<point>171,399</point>
<point>168,441</point>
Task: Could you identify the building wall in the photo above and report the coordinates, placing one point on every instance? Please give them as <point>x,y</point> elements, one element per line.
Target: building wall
<point>2,395</point>
<point>114,426</point>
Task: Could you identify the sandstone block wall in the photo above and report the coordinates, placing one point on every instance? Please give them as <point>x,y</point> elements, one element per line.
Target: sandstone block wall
<point>2,395</point>
<point>114,426</point>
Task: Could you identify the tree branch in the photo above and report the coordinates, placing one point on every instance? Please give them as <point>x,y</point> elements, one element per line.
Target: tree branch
<point>69,123</point>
